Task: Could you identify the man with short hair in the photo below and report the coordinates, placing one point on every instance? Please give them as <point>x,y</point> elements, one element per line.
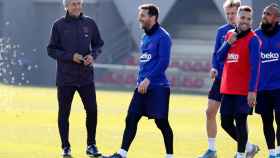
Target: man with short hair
<point>75,43</point>
<point>268,100</point>
<point>151,97</point>
<point>214,96</point>
<point>240,54</point>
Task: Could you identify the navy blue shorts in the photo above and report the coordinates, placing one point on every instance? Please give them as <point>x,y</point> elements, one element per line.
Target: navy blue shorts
<point>214,92</point>
<point>233,105</point>
<point>154,104</point>
<point>268,102</point>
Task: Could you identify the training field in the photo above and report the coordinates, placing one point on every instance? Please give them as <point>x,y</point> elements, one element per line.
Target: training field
<point>28,127</point>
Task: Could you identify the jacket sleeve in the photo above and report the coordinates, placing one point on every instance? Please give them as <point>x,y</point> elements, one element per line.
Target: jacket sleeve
<point>55,49</point>
<point>164,58</point>
<point>96,42</point>
<point>221,54</point>
<point>254,48</point>
<point>215,62</point>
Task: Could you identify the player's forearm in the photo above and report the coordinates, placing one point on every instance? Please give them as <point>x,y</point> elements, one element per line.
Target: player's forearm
<point>254,79</point>
<point>216,48</point>
<point>214,62</point>
<point>254,55</point>
<point>59,54</point>
<point>222,52</point>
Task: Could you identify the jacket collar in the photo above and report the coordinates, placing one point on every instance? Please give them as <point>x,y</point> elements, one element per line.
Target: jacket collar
<point>69,18</point>
<point>151,31</point>
<point>242,33</point>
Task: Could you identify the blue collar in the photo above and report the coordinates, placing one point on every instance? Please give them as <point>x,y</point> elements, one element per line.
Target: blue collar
<point>152,30</point>
<point>69,18</point>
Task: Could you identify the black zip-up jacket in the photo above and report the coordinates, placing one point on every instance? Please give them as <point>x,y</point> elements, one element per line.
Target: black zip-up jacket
<point>72,35</point>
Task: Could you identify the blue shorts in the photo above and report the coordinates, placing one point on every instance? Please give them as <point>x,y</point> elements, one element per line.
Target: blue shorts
<point>233,105</point>
<point>268,102</point>
<point>214,92</point>
<point>154,104</point>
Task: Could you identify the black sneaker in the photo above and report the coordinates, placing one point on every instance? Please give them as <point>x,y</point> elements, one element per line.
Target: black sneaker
<point>66,152</point>
<point>116,155</point>
<point>93,151</point>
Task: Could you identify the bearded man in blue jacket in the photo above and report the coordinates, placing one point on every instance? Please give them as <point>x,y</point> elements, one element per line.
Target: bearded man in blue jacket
<point>268,98</point>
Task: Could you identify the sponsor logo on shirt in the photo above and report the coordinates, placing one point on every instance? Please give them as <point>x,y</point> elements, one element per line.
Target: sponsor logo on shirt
<point>232,58</point>
<point>269,57</point>
<point>146,57</point>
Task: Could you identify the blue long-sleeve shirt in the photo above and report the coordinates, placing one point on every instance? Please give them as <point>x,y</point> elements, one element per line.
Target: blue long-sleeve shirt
<point>254,59</point>
<point>270,63</point>
<point>155,57</point>
<point>220,38</point>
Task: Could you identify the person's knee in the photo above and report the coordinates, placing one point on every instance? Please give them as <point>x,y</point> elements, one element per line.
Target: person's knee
<point>277,118</point>
<point>63,114</point>
<point>241,121</point>
<point>127,119</point>
<point>226,123</point>
<point>210,114</point>
<point>212,109</point>
<point>162,124</point>
<point>267,121</point>
<point>90,108</point>
<point>132,119</point>
<point>63,118</point>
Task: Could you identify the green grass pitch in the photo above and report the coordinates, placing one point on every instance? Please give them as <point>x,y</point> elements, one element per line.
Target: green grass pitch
<point>28,127</point>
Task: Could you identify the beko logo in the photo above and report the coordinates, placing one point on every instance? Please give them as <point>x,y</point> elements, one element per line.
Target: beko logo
<point>269,57</point>
<point>232,58</point>
<point>146,57</point>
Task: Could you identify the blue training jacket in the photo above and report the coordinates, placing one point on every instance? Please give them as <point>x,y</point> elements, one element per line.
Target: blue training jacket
<point>270,63</point>
<point>155,56</point>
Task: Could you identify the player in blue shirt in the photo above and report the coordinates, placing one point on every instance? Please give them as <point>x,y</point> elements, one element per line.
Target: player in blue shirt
<point>214,96</point>
<point>151,97</point>
<point>268,98</point>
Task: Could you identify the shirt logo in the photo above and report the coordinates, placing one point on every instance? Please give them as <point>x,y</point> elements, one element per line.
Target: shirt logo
<point>146,57</point>
<point>232,58</point>
<point>269,57</point>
